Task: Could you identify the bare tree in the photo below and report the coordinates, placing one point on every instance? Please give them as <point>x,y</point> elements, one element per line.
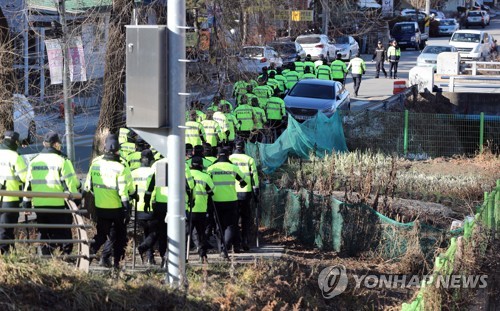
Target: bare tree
<point>7,77</point>
<point>111,117</point>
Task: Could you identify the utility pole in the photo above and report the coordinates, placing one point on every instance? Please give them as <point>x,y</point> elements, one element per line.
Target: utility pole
<point>428,7</point>
<point>68,110</point>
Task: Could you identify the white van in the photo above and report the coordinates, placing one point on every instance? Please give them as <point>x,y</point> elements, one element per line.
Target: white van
<point>472,44</point>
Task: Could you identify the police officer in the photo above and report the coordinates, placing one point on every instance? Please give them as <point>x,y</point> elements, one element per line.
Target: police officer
<point>142,178</point>
<point>292,76</point>
<point>220,117</point>
<point>233,124</point>
<point>339,69</point>
<point>309,63</point>
<point>275,111</point>
<point>323,71</point>
<point>247,165</point>
<point>308,74</point>
<point>259,119</point>
<point>263,93</point>
<point>379,56</point>
<point>12,175</point>
<point>203,190</point>
<point>299,65</point>
<point>134,158</point>
<point>358,68</point>
<point>108,180</point>
<point>128,146</point>
<point>244,113</point>
<point>393,55</point>
<point>224,175</point>
<point>195,132</point>
<point>51,171</point>
<point>198,152</point>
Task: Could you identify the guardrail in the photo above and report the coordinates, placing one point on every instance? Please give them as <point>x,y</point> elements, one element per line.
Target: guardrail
<point>453,84</point>
<point>397,99</point>
<point>474,69</point>
<point>83,256</point>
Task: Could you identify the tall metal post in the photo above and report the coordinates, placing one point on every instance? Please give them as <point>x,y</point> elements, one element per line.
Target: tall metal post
<point>26,55</point>
<point>405,134</point>
<point>428,7</point>
<point>481,132</point>
<point>42,64</point>
<point>176,215</point>
<point>68,110</point>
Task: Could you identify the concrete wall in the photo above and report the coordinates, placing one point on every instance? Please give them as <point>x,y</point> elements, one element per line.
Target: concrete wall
<point>474,103</point>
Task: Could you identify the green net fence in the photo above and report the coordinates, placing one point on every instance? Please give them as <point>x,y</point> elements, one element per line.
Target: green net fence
<point>320,135</point>
<point>414,135</point>
<point>329,224</point>
<point>489,216</point>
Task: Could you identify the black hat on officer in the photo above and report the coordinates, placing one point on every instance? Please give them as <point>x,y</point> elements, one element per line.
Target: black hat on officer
<point>111,144</point>
<point>51,138</point>
<point>147,157</point>
<point>240,145</point>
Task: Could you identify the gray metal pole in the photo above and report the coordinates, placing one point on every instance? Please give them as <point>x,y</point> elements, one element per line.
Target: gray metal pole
<point>176,215</point>
<point>25,56</point>
<point>428,7</point>
<point>68,110</point>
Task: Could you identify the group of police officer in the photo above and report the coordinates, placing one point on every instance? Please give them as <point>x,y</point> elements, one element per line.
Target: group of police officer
<point>219,191</point>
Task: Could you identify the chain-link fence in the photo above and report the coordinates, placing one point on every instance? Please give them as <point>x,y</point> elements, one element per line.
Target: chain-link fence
<point>421,135</point>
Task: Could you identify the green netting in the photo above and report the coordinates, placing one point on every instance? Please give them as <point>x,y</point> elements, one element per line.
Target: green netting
<point>319,134</point>
<point>330,224</point>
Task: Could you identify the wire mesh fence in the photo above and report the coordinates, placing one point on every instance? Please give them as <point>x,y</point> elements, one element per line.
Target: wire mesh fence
<point>421,135</point>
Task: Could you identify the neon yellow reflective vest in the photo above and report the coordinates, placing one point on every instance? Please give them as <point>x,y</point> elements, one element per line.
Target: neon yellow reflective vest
<point>221,118</point>
<point>292,77</point>
<point>142,178</point>
<point>200,115</point>
<point>126,148</point>
<point>324,72</point>
<point>273,83</point>
<point>203,187</point>
<point>109,181</point>
<point>247,166</point>
<point>239,87</point>
<point>160,194</point>
<point>275,108</point>
<point>225,175</point>
<point>339,69</point>
<point>134,160</point>
<point>310,65</point>
<point>51,172</point>
<point>194,132</point>
<point>245,116</point>
<point>281,82</point>
<point>299,67</point>
<point>213,133</point>
<point>357,66</point>
<point>12,172</point>
<point>260,117</point>
<point>306,76</point>
<point>263,92</point>
<point>123,135</point>
<point>234,126</point>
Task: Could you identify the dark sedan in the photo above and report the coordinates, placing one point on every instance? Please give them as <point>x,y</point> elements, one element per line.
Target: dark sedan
<point>288,51</point>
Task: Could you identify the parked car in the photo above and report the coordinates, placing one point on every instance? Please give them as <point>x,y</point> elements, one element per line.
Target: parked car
<point>254,58</point>
<point>428,57</point>
<point>309,96</point>
<point>437,14</point>
<point>347,46</point>
<point>408,35</point>
<point>407,12</point>
<point>477,18</point>
<point>288,50</point>
<point>447,26</point>
<point>317,46</point>
<point>472,44</point>
<point>24,119</point>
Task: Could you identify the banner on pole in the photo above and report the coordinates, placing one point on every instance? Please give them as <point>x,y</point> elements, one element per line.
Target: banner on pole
<point>77,70</point>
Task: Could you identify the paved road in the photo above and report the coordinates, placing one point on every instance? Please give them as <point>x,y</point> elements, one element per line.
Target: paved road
<point>376,89</point>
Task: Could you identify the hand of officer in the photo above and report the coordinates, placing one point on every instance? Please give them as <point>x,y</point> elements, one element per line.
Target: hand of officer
<point>126,211</point>
<point>243,183</point>
<point>27,205</point>
<point>135,196</point>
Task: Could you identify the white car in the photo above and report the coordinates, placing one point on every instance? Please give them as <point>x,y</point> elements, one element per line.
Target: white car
<point>448,26</point>
<point>477,18</point>
<point>317,46</point>
<point>347,46</point>
<point>437,14</point>
<point>428,57</point>
<point>24,118</point>
<point>412,12</point>
<point>254,58</point>
<point>472,44</point>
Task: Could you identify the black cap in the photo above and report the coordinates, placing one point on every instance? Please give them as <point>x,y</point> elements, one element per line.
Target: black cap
<point>147,154</point>
<point>197,162</point>
<point>111,144</point>
<point>198,150</point>
<point>240,144</point>
<point>51,138</point>
<point>11,135</point>
<point>222,152</point>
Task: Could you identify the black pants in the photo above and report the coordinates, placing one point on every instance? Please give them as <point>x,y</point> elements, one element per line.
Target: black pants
<point>245,210</point>
<point>55,234</point>
<point>159,230</point>
<point>148,225</point>
<point>105,223</point>
<point>228,217</point>
<point>8,218</point>
<point>394,65</point>
<point>340,80</point>
<point>380,66</point>
<point>199,222</point>
<point>356,78</point>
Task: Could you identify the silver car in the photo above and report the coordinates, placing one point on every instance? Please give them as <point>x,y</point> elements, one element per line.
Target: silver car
<point>309,96</point>
<point>428,57</point>
<point>347,47</point>
<point>448,26</point>
<point>254,58</point>
<point>317,46</point>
